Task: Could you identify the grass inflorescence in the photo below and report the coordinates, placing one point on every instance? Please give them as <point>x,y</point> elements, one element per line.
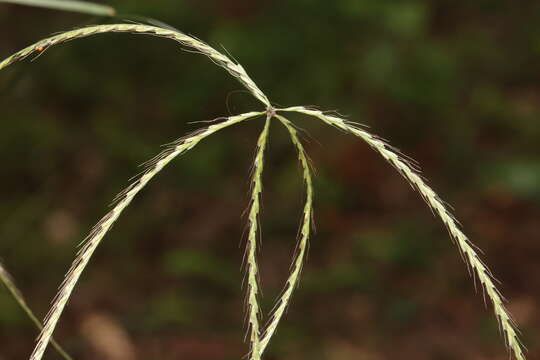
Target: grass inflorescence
<point>259,336</point>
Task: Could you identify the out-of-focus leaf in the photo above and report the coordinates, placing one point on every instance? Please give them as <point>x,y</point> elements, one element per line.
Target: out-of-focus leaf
<point>199,264</point>
<point>519,176</point>
<point>68,5</point>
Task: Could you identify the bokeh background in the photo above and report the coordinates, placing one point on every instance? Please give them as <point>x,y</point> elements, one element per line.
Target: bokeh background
<point>456,85</point>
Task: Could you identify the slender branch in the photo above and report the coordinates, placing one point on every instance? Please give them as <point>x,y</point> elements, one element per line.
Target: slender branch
<point>154,166</point>
<point>465,246</point>
<point>220,59</point>
<point>251,249</point>
<point>305,230</point>
<point>8,281</point>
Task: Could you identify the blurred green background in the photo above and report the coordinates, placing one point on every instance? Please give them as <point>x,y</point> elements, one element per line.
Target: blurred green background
<point>456,85</point>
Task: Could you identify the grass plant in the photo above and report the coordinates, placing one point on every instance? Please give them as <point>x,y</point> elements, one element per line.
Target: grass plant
<point>259,336</point>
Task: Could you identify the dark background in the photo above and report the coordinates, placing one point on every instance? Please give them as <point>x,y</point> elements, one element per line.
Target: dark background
<point>456,85</point>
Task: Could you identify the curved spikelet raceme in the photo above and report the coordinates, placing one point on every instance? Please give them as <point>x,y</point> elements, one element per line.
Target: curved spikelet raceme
<point>465,246</point>
<point>190,42</point>
<point>305,231</point>
<point>251,248</point>
<point>8,281</point>
<point>104,225</point>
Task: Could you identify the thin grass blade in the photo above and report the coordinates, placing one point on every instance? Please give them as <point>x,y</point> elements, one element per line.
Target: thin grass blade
<point>9,283</point>
<point>83,7</point>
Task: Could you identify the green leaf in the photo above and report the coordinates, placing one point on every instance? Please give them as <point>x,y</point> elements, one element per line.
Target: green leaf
<point>68,5</point>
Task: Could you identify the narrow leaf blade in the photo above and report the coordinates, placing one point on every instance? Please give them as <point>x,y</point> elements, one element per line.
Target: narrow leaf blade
<point>68,5</point>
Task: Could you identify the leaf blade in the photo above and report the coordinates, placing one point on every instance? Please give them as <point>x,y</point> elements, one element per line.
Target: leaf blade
<point>83,7</point>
